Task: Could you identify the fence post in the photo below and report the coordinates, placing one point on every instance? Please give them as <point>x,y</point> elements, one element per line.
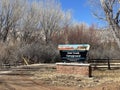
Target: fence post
<point>108,60</point>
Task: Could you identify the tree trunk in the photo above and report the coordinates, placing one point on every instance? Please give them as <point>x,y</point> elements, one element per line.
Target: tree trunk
<point>115,30</point>
<point>5,35</point>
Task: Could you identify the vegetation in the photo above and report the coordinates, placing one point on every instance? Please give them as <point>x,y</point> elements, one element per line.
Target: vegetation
<point>109,11</point>
<point>32,31</point>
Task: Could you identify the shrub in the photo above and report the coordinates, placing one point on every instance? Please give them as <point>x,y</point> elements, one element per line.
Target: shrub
<point>37,53</point>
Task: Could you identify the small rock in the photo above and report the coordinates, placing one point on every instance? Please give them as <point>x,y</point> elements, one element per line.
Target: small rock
<point>96,80</point>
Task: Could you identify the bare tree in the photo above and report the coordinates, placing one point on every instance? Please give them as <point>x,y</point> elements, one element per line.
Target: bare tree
<point>10,13</point>
<point>30,21</point>
<point>52,18</point>
<point>111,13</point>
<point>112,17</point>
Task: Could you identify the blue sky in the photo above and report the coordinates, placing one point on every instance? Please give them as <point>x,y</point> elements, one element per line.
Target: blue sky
<point>80,10</point>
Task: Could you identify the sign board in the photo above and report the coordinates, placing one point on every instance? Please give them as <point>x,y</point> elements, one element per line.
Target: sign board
<point>73,52</point>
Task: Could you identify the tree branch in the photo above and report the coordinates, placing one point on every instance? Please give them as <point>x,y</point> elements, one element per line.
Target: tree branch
<point>117,17</point>
<point>99,17</point>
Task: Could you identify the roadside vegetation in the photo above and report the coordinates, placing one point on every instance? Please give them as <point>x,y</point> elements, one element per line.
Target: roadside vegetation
<point>31,31</point>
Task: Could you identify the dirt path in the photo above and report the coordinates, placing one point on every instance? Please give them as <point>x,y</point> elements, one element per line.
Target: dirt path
<point>19,83</point>
<point>25,83</point>
<point>112,86</point>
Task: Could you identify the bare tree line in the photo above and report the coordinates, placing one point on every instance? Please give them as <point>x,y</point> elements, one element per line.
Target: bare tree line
<point>45,21</point>
<point>45,16</point>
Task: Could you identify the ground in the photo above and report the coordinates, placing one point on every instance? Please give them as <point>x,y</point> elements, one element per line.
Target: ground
<point>48,79</point>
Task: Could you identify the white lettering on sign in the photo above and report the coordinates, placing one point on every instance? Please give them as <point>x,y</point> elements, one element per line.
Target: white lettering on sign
<point>69,53</point>
<point>76,53</point>
<point>73,56</point>
<point>73,53</point>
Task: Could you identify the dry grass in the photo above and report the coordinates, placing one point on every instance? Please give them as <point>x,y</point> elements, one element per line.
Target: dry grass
<point>107,75</point>
<point>50,77</point>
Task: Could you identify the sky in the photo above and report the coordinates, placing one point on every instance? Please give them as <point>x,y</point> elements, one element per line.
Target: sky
<point>80,10</point>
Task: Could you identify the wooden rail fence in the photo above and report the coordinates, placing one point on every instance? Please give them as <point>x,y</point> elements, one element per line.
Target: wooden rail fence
<point>105,63</point>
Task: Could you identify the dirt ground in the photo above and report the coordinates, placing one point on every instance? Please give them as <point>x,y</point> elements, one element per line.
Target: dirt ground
<point>48,79</point>
<point>8,82</point>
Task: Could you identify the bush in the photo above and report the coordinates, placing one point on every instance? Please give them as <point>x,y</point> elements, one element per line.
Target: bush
<point>37,53</point>
<point>7,54</point>
<point>104,51</point>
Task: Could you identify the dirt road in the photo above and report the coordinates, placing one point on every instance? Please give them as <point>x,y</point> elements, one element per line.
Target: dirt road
<point>25,83</point>
<point>16,82</point>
